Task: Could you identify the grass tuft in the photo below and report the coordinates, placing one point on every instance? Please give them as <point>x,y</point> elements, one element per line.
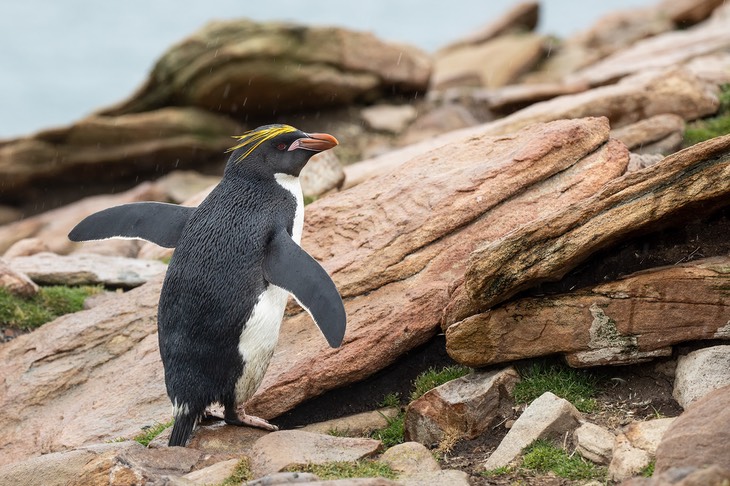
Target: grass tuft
<point>391,400</point>
<point>241,473</point>
<point>648,471</point>
<point>542,456</point>
<point>343,470</point>
<point>491,473</point>
<point>48,304</point>
<point>432,378</point>
<point>707,128</point>
<point>394,432</point>
<point>149,433</point>
<point>576,386</point>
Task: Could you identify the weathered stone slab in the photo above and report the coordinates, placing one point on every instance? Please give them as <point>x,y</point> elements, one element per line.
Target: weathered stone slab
<point>702,371</point>
<point>278,450</point>
<point>358,425</point>
<point>16,282</point>
<point>632,319</point>
<point>87,269</point>
<point>594,443</point>
<point>638,201</point>
<point>547,417</point>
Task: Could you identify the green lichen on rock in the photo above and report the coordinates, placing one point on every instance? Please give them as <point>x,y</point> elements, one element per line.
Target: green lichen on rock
<point>48,304</point>
<point>716,126</point>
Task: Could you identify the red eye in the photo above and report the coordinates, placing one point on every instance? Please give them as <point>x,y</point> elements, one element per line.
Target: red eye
<point>281,146</point>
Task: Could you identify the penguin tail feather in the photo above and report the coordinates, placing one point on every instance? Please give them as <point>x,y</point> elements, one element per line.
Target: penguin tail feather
<point>182,429</point>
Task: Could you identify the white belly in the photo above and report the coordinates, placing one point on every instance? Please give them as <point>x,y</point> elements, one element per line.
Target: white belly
<point>258,340</point>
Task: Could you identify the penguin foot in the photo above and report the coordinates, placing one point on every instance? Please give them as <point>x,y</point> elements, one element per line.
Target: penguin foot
<point>214,412</point>
<point>252,421</point>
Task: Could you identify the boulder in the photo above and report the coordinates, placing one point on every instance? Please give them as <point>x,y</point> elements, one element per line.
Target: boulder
<point>547,417</point>
<point>627,460</point>
<point>661,51</point>
<point>642,161</point>
<point>594,442</point>
<point>247,68</point>
<point>358,425</point>
<point>630,320</point>
<point>523,17</point>
<point>688,12</point>
<point>700,436</point>
<point>394,249</point>
<point>643,136</point>
<point>322,174</point>
<point>701,371</point>
<point>684,476</point>
<point>26,247</point>
<point>278,450</point>
<point>416,466</point>
<point>87,269</point>
<point>647,434</point>
<point>388,118</point>
<point>16,282</point>
<point>109,150</point>
<point>461,409</point>
<point>495,63</point>
<point>653,92</point>
<point>638,201</point>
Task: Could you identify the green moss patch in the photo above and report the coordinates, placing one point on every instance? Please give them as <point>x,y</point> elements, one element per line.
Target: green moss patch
<point>431,378</point>
<point>576,386</point>
<point>341,470</point>
<point>241,473</point>
<point>48,304</point>
<point>149,433</point>
<point>716,126</point>
<point>542,456</point>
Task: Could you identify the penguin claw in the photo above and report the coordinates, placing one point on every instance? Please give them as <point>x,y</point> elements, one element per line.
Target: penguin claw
<point>252,421</point>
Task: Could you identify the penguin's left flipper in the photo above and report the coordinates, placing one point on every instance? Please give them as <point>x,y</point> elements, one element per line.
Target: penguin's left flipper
<point>287,266</point>
<point>160,223</point>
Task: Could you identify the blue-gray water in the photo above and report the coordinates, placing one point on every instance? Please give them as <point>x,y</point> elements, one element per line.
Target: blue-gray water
<point>61,59</point>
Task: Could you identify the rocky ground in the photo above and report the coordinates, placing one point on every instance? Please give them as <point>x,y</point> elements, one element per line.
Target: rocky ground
<point>511,203</point>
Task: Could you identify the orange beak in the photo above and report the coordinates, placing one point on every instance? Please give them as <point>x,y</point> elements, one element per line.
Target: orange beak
<point>317,142</point>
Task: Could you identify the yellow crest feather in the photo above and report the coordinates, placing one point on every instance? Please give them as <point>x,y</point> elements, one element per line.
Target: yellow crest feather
<point>254,138</point>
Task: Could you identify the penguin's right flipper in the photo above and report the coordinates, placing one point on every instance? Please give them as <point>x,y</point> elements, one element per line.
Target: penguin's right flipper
<point>160,223</point>
<point>287,266</point>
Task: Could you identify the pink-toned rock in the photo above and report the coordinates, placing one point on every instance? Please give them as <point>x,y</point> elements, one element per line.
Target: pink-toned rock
<point>15,282</point>
<point>461,409</point>
<point>700,436</point>
<point>278,450</point>
<point>637,200</point>
<point>641,136</point>
<point>393,251</point>
<point>654,92</point>
<point>661,51</point>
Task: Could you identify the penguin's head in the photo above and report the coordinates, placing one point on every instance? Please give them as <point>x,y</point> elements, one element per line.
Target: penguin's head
<point>277,149</point>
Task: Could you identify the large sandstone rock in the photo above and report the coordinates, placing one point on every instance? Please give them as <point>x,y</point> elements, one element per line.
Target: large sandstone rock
<point>700,436</point>
<point>653,92</point>
<point>697,177</point>
<point>393,247</point>
<point>629,320</point>
<point>15,282</point>
<point>668,49</point>
<point>105,149</point>
<point>246,68</point>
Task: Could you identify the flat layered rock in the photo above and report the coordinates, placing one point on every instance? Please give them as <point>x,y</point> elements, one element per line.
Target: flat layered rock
<point>87,269</point>
<point>111,149</point>
<point>15,282</point>
<point>633,319</point>
<point>243,67</point>
<point>636,202</point>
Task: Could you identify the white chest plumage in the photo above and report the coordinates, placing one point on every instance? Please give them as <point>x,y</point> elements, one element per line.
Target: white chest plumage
<point>261,332</point>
